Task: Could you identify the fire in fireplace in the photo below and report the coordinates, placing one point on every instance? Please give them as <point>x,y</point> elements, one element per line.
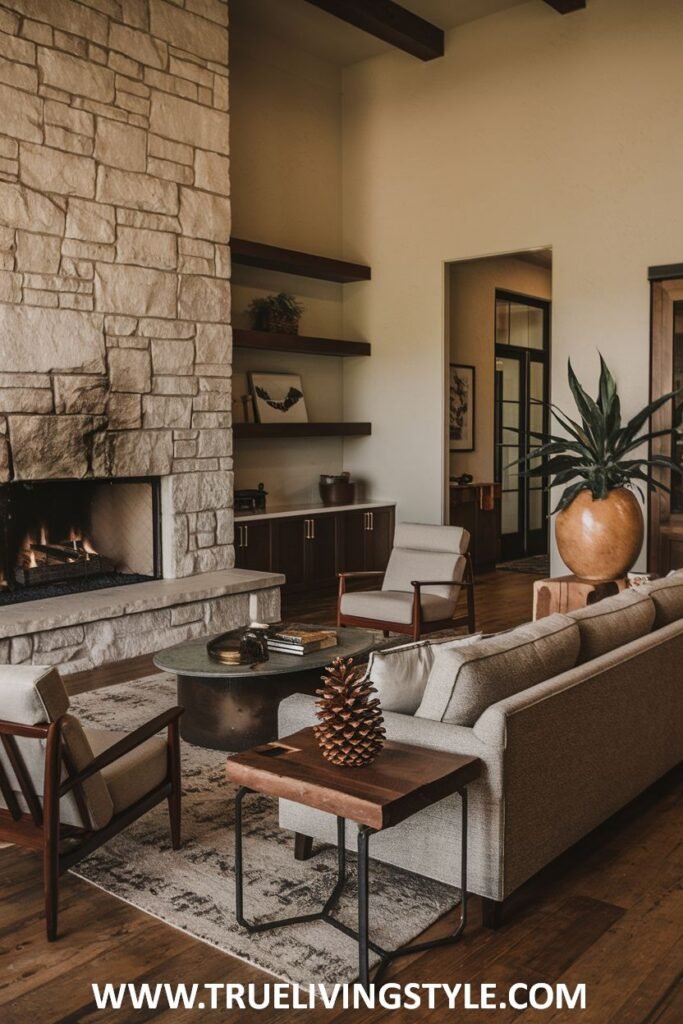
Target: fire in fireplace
<point>61,537</point>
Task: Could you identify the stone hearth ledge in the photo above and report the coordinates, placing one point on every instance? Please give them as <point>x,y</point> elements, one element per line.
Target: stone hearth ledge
<point>77,609</point>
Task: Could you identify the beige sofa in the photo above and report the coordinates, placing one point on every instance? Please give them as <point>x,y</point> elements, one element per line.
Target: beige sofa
<point>573,716</point>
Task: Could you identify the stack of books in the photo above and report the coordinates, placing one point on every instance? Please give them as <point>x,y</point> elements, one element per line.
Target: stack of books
<point>301,640</point>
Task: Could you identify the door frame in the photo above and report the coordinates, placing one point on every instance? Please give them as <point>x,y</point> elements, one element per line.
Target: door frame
<point>526,357</point>
<point>664,526</point>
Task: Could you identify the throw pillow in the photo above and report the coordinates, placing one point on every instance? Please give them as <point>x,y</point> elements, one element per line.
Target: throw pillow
<point>400,674</point>
<point>466,680</point>
<point>611,623</point>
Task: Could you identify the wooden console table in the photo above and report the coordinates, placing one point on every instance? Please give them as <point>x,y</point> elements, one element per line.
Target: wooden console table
<point>568,593</point>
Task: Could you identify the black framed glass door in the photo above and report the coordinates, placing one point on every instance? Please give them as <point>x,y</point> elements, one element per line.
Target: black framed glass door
<point>521,386</point>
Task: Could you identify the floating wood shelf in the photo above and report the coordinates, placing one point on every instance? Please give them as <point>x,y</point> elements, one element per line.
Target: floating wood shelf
<point>257,430</point>
<point>289,261</point>
<point>306,344</point>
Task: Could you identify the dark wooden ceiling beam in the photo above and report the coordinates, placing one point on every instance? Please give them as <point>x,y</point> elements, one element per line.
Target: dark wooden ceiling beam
<point>389,22</point>
<point>566,6</point>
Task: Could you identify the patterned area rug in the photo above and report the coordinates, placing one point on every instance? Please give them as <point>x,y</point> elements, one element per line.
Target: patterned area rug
<point>193,889</point>
<point>535,565</point>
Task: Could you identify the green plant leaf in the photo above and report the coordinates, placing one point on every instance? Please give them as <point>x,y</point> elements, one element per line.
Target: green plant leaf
<point>568,496</point>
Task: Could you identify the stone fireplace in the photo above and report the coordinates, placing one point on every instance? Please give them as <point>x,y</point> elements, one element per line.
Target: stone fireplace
<point>115,344</point>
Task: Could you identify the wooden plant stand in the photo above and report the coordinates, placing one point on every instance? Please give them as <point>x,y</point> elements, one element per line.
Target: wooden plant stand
<point>569,593</point>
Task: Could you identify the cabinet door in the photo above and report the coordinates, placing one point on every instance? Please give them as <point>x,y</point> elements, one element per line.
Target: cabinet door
<point>288,549</point>
<point>252,545</point>
<point>379,539</point>
<point>321,550</point>
<point>353,527</point>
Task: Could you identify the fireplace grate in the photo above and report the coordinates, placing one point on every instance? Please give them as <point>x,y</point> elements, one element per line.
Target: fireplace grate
<point>81,586</point>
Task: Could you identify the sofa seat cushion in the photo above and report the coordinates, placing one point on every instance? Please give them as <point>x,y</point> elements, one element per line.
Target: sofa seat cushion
<point>667,597</point>
<point>135,774</point>
<point>466,680</point>
<point>611,623</point>
<point>400,674</point>
<point>395,606</point>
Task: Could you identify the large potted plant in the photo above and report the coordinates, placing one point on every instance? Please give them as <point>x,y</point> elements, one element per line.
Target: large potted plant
<point>599,526</point>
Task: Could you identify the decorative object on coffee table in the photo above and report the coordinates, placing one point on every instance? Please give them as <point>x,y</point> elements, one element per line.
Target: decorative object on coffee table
<point>278,398</point>
<point>337,490</point>
<point>351,731</point>
<point>279,313</point>
<point>599,527</point>
<point>233,707</point>
<point>406,779</point>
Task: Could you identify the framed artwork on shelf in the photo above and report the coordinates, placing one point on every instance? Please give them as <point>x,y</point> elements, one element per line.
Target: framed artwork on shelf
<point>278,397</point>
<point>461,407</point>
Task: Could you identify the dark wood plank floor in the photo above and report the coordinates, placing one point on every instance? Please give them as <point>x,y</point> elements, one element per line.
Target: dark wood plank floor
<point>608,914</point>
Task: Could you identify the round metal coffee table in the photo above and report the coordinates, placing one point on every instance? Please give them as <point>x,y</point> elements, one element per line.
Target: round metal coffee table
<point>234,707</point>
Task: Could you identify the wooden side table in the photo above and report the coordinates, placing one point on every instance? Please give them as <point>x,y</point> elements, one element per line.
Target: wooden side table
<point>568,593</point>
<point>403,780</point>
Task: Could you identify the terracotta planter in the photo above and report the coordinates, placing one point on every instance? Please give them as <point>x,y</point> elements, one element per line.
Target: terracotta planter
<point>600,540</point>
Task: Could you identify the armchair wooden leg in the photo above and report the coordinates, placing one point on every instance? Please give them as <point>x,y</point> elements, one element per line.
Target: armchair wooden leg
<point>386,634</point>
<point>303,846</point>
<point>174,800</point>
<point>51,829</point>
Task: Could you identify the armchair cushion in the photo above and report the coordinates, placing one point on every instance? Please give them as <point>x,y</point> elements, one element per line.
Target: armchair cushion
<point>135,774</point>
<point>395,606</point>
<point>469,678</point>
<point>427,553</point>
<point>35,695</point>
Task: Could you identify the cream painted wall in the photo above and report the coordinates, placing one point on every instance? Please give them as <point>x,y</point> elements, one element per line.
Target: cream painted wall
<point>471,295</point>
<point>534,130</point>
<point>286,187</point>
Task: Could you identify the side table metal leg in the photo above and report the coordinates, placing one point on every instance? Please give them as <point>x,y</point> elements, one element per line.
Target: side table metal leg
<point>363,964</point>
<point>239,885</point>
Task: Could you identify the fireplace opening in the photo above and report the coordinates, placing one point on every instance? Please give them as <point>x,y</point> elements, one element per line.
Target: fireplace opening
<point>66,537</point>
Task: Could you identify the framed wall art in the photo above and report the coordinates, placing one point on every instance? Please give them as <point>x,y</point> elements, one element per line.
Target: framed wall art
<point>278,397</point>
<point>461,407</point>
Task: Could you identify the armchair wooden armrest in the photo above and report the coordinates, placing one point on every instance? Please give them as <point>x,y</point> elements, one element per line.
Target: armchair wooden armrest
<point>364,572</point>
<point>134,739</point>
<point>441,583</point>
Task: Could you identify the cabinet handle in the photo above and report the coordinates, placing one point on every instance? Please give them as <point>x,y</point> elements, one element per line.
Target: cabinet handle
<point>246,536</point>
<point>307,524</point>
<point>372,520</point>
<point>366,521</point>
<point>239,537</point>
<point>312,529</point>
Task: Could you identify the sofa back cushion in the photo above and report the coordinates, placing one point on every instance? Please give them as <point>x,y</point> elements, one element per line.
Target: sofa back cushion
<point>611,623</point>
<point>464,681</point>
<point>400,674</point>
<point>667,597</point>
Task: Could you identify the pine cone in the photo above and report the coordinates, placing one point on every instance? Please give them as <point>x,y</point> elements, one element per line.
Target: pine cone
<point>351,730</point>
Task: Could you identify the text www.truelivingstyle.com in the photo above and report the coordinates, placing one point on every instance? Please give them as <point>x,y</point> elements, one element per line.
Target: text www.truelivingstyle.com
<point>281,996</point>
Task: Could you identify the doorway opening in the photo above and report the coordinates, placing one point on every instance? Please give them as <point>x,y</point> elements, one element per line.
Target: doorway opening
<point>499,350</point>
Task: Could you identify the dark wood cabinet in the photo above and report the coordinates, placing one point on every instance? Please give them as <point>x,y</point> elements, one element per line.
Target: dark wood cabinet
<point>476,508</point>
<point>368,539</point>
<point>252,545</point>
<point>311,550</point>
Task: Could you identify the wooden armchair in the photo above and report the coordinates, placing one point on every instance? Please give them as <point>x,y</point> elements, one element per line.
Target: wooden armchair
<point>419,591</point>
<point>66,790</point>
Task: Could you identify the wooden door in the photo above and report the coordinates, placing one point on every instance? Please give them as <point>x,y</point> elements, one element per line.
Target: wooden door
<point>666,511</point>
<point>320,550</point>
<point>288,549</point>
<point>252,545</point>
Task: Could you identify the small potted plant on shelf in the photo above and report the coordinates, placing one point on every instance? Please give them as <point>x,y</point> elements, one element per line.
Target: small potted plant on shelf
<point>278,313</point>
<point>599,526</point>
